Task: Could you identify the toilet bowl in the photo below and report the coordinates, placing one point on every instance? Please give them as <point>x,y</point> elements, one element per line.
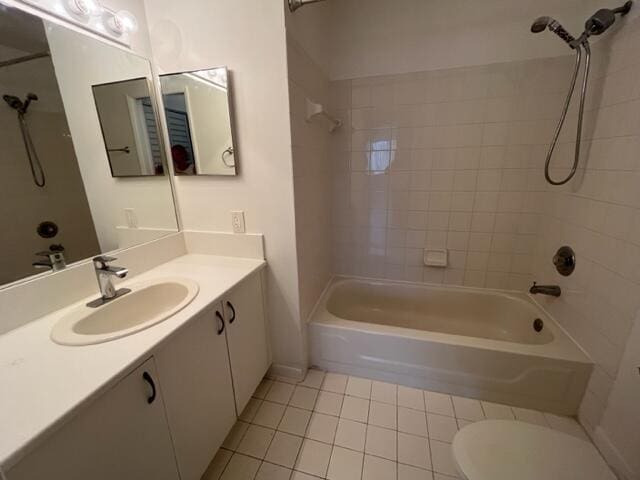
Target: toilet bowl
<point>512,450</point>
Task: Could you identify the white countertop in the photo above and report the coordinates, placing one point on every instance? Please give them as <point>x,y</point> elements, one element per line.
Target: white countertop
<point>42,382</point>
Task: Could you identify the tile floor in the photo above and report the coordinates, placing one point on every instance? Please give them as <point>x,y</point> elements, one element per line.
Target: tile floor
<point>337,427</point>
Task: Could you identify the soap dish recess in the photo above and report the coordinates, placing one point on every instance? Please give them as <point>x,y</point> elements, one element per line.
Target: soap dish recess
<point>436,258</point>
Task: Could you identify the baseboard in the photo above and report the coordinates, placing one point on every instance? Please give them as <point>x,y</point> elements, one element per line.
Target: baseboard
<point>288,372</point>
<point>612,455</point>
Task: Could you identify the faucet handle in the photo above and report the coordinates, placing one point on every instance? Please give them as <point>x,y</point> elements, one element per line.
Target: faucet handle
<point>101,261</point>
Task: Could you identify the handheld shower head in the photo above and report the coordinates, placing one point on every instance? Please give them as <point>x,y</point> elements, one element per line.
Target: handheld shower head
<point>542,23</point>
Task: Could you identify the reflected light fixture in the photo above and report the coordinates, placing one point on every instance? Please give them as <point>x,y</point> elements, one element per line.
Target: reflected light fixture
<point>122,22</point>
<point>84,8</point>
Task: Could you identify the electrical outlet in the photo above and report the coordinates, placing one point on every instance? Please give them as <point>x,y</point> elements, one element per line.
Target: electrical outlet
<point>237,220</point>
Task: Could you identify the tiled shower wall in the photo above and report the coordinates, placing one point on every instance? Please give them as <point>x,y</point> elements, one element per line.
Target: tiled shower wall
<point>598,214</point>
<point>449,159</point>
<point>311,176</point>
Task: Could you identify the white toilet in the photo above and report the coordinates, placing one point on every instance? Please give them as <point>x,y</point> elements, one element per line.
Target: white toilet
<point>512,450</point>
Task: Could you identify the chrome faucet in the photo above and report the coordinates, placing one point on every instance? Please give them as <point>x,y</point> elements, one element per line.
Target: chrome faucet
<point>105,274</point>
<point>551,290</point>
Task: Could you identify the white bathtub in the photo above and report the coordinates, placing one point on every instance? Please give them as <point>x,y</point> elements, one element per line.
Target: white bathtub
<point>463,341</point>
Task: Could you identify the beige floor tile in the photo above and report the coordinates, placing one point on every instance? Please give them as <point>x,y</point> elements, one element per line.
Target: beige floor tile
<point>414,450</point>
<point>280,392</point>
<point>439,403</point>
<point>269,414</point>
<point>314,458</point>
<point>383,415</point>
<point>496,411</point>
<point>334,382</point>
<point>322,428</point>
<point>269,471</point>
<point>412,421</point>
<point>379,469</point>
<point>345,464</point>
<point>467,408</point>
<point>442,458</point>
<point>384,392</point>
<point>304,397</point>
<point>381,442</point>
<point>295,421</point>
<point>329,403</point>
<point>358,387</point>
<point>284,449</point>
<point>407,472</point>
<point>256,441</point>
<point>441,427</point>
<point>410,398</point>
<point>351,434</point>
<point>313,379</point>
<point>355,409</point>
<point>241,467</point>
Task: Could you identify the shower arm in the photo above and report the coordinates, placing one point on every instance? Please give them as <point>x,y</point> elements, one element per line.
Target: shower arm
<point>578,48</point>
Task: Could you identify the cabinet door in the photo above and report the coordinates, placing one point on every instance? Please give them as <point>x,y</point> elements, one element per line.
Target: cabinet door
<point>247,338</point>
<point>194,371</point>
<point>122,435</point>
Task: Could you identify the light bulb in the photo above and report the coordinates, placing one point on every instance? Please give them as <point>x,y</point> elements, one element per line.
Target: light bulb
<point>84,8</point>
<point>123,22</point>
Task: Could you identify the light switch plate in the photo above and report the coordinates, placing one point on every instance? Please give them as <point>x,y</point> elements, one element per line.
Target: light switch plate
<point>237,220</point>
<point>132,218</point>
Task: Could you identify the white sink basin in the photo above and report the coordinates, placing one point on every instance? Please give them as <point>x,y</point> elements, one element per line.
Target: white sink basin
<point>148,303</point>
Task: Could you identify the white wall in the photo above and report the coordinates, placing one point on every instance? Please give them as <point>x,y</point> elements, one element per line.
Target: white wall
<point>81,62</point>
<point>357,38</point>
<point>249,38</point>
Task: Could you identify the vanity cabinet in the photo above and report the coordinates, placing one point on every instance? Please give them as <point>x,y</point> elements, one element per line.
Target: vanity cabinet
<point>123,434</point>
<point>196,383</point>
<point>166,419</point>
<point>246,337</point>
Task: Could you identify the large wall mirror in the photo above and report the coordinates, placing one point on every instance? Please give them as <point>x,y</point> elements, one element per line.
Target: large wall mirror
<point>59,202</point>
<point>198,118</point>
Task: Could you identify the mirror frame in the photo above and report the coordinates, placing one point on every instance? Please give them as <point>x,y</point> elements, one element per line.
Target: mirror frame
<point>232,122</point>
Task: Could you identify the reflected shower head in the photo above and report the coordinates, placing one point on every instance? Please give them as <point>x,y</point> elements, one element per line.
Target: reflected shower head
<point>296,4</point>
<point>542,23</point>
<point>17,104</point>
<point>13,101</point>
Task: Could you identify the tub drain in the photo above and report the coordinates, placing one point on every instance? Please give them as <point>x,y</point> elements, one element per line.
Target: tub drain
<point>538,325</point>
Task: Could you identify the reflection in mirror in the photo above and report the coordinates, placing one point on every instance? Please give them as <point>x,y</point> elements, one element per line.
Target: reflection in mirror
<point>129,127</point>
<point>199,124</point>
<point>59,203</point>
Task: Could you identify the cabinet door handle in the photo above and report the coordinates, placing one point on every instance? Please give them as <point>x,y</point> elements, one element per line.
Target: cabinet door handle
<point>233,311</point>
<point>221,329</point>
<point>147,378</point>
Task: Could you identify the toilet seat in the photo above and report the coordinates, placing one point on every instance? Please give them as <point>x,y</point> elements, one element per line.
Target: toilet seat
<point>512,450</point>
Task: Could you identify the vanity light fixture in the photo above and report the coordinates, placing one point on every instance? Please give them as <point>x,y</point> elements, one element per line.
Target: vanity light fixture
<point>84,9</point>
<point>122,22</point>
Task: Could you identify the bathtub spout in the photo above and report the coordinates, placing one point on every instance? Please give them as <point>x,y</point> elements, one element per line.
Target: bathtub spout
<point>552,290</point>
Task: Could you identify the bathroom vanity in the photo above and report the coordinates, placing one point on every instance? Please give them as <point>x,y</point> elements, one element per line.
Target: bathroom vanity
<point>156,404</point>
